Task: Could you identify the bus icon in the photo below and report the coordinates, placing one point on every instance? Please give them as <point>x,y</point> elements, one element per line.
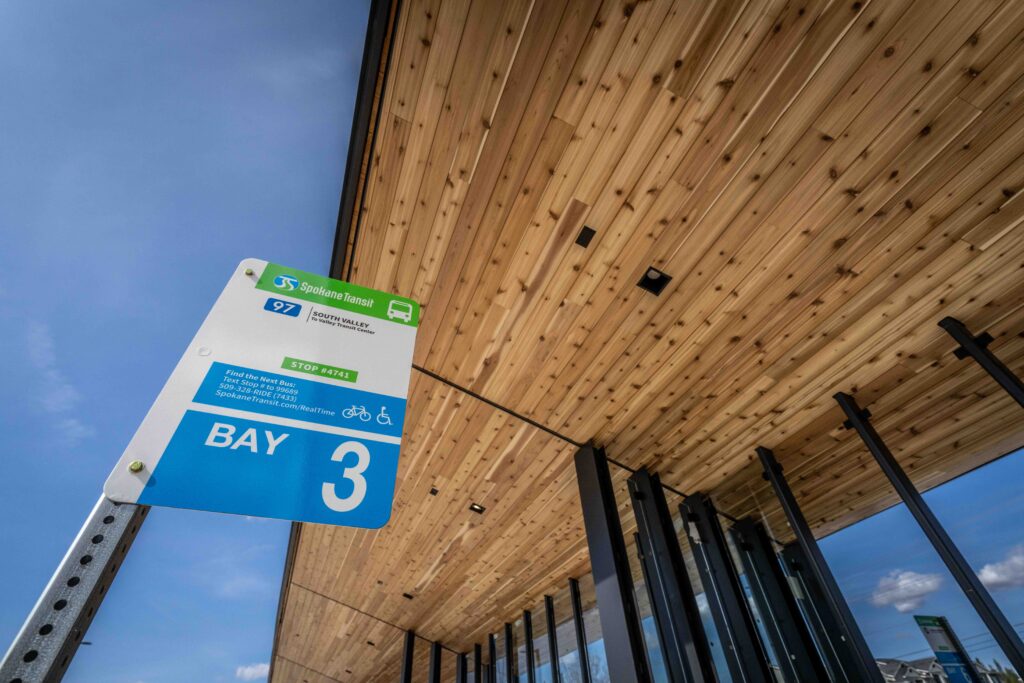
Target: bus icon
<point>400,310</point>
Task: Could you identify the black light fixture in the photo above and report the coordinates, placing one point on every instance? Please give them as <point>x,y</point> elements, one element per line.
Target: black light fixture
<point>654,280</point>
<point>477,508</point>
<point>406,596</point>
<point>433,491</point>
<point>586,234</point>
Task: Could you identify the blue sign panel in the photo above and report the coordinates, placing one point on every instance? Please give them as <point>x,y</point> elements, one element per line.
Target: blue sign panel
<point>214,462</point>
<point>270,393</point>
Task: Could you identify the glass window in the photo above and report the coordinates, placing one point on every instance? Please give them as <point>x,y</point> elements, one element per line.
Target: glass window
<point>541,652</point>
<point>519,646</point>
<point>592,628</point>
<point>565,632</point>
<point>501,662</point>
<point>710,631</point>
<point>755,612</point>
<point>652,641</point>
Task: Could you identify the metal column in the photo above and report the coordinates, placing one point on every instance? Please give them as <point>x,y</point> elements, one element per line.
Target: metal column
<point>531,671</point>
<point>492,651</point>
<point>461,668</point>
<point>510,655</point>
<point>798,658</point>
<point>746,657</point>
<point>977,348</point>
<point>478,661</point>
<point>976,592</point>
<point>683,641</point>
<point>48,640</point>
<point>549,617</point>
<point>867,669</point>
<point>407,653</point>
<point>581,634</point>
<point>435,663</point>
<point>620,620</point>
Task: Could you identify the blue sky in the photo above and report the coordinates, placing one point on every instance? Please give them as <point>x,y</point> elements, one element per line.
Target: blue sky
<point>885,563</point>
<point>145,149</point>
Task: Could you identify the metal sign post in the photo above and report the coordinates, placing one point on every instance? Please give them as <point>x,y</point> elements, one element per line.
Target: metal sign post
<point>43,649</point>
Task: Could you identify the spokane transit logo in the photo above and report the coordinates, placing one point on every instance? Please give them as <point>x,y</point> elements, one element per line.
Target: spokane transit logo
<point>286,282</point>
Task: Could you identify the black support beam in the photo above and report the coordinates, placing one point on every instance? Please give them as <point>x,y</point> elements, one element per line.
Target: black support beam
<point>407,656</point>
<point>531,665</point>
<point>478,664</point>
<point>976,346</point>
<point>995,620</point>
<point>549,617</point>
<point>867,669</point>
<point>492,651</point>
<point>581,633</point>
<point>510,655</point>
<point>839,657</point>
<point>794,647</point>
<point>683,641</point>
<point>461,668</point>
<point>435,663</point>
<point>620,620</point>
<point>726,599</point>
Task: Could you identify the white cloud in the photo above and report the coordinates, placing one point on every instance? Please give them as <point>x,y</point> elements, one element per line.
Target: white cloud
<point>905,590</point>
<point>252,672</point>
<point>1006,574</point>
<point>54,392</point>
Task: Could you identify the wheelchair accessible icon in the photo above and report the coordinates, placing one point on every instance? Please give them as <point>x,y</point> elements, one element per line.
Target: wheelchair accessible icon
<point>363,414</point>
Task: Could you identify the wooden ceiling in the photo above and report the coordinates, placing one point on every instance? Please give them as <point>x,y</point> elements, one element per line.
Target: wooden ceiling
<point>823,181</point>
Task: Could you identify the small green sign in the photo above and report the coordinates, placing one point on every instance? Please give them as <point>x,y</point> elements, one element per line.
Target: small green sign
<point>299,284</point>
<point>319,369</point>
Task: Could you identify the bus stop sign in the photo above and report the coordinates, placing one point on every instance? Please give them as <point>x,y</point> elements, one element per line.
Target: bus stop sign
<point>288,403</point>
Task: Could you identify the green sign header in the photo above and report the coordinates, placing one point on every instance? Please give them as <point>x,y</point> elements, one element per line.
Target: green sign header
<point>299,284</point>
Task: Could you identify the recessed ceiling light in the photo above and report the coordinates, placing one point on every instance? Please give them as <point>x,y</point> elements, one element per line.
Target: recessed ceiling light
<point>586,234</point>
<point>654,281</point>
<point>477,508</point>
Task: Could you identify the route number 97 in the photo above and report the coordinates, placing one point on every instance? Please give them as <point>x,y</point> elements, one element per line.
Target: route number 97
<point>283,307</point>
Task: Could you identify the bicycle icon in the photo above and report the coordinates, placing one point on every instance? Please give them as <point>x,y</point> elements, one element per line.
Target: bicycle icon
<point>357,411</point>
<point>363,414</point>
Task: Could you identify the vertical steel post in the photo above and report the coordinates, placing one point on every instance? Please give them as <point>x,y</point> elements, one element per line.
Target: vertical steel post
<point>798,658</point>
<point>435,663</point>
<point>581,633</point>
<point>867,669</point>
<point>726,599</point>
<point>995,620</point>
<point>461,668</point>
<point>549,616</point>
<point>407,656</point>
<point>839,657</point>
<point>43,649</point>
<point>977,348</point>
<point>492,651</point>
<point>684,643</point>
<point>510,655</point>
<point>478,664</point>
<point>609,562</point>
<point>531,670</point>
